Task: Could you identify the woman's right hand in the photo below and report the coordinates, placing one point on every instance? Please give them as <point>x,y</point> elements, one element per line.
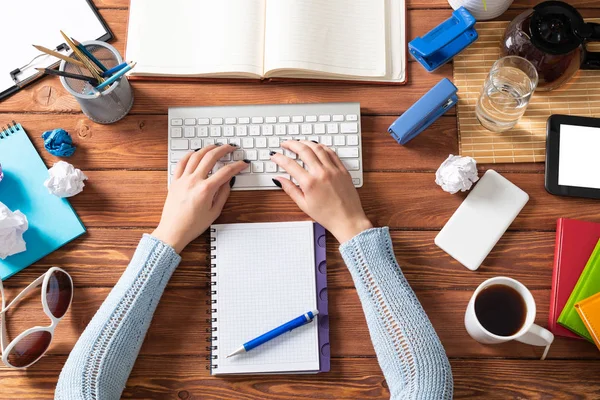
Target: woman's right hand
<point>325,191</point>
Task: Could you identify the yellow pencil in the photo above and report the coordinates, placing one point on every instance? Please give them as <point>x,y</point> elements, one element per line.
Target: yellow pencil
<point>88,64</point>
<point>60,56</point>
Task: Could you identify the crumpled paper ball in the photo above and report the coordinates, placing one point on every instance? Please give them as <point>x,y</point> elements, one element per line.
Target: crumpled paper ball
<point>65,180</point>
<point>59,143</point>
<point>12,227</point>
<point>457,174</point>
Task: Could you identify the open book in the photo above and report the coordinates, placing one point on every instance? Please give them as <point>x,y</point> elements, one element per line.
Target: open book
<point>362,40</point>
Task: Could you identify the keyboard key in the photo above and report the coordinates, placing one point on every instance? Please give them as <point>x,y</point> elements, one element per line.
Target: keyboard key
<point>257,120</point>
<point>339,140</point>
<point>351,165</point>
<point>352,117</point>
<point>261,142</point>
<point>254,130</point>
<point>270,166</point>
<point>347,152</point>
<point>230,120</point>
<point>176,122</point>
<point>172,168</point>
<point>189,131</point>
<point>271,120</point>
<point>267,130</point>
<point>306,129</point>
<point>324,118</point>
<point>243,120</point>
<point>264,154</point>
<point>195,144</point>
<point>332,128</point>
<point>281,169</point>
<point>226,158</point>
<point>258,167</point>
<point>297,118</point>
<point>228,131</point>
<point>273,142</point>
<point>284,119</point>
<point>247,143</point>
<point>251,155</point>
<point>293,129</point>
<point>235,142</point>
<point>289,154</point>
<point>319,129</point>
<point>338,118</point>
<point>238,155</point>
<point>327,140</point>
<point>216,121</point>
<point>203,131</point>
<point>280,129</point>
<point>179,144</point>
<point>248,181</point>
<point>352,140</point>
<point>280,151</point>
<point>215,131</point>
<point>189,121</point>
<point>245,171</point>
<point>299,137</point>
<point>176,132</point>
<point>356,181</point>
<point>349,127</point>
<point>221,141</point>
<point>209,142</point>
<point>176,156</point>
<point>241,130</point>
<point>311,118</point>
<point>203,121</point>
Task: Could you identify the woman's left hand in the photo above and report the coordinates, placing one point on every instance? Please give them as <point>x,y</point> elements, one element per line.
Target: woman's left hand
<point>195,200</point>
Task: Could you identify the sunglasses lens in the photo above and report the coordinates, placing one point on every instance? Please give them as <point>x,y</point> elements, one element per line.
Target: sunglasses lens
<point>29,349</point>
<point>58,293</point>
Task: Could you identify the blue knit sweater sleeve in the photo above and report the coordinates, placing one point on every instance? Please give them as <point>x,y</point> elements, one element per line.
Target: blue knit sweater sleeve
<point>100,362</point>
<point>409,351</point>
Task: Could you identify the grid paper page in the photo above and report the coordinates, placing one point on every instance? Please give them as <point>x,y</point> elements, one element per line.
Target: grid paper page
<point>527,141</point>
<point>265,277</point>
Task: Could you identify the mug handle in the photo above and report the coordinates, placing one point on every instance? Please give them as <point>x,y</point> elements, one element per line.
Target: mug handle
<point>537,336</point>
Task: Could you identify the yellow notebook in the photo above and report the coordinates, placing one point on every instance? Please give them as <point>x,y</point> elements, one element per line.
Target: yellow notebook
<point>589,311</point>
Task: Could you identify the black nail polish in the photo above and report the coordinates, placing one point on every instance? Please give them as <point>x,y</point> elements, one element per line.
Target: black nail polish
<point>297,140</point>
<point>272,153</point>
<point>314,141</point>
<point>233,145</point>
<point>247,161</point>
<point>198,149</point>
<point>276,182</point>
<point>218,144</point>
<point>232,182</point>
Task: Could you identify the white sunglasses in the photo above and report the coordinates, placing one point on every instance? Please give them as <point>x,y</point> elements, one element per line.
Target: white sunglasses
<point>31,345</point>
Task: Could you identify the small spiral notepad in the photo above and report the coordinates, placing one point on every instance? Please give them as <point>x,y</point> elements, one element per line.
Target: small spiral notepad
<point>264,275</point>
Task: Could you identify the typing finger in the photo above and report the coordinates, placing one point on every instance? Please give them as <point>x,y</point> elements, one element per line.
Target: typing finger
<point>320,151</point>
<point>292,190</point>
<point>291,166</point>
<point>224,175</point>
<point>210,159</point>
<point>306,153</point>
<point>221,198</point>
<point>195,159</point>
<point>334,157</point>
<point>180,168</point>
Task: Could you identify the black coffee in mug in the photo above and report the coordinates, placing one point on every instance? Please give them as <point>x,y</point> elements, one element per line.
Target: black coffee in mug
<point>501,310</point>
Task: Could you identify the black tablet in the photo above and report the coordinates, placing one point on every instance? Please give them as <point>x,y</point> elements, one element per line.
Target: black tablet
<point>573,156</point>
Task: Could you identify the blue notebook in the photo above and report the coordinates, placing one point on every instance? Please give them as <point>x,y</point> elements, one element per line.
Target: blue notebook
<point>52,220</point>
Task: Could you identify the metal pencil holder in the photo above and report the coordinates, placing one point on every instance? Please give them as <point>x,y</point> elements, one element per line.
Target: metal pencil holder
<point>106,106</point>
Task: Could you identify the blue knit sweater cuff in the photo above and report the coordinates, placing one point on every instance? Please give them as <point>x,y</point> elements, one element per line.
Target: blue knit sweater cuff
<point>154,247</point>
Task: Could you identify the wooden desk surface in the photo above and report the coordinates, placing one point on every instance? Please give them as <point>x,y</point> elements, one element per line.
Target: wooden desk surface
<point>126,165</point>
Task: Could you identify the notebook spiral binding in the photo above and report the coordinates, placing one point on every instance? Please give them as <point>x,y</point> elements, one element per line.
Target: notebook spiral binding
<point>212,308</point>
<point>9,130</point>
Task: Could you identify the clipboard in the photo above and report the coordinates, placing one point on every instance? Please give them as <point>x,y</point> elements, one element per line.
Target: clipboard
<point>19,70</point>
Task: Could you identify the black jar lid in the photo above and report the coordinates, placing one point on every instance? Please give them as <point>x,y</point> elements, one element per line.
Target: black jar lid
<point>556,27</point>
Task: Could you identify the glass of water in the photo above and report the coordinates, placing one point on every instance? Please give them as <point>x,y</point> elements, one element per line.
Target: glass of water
<point>506,93</point>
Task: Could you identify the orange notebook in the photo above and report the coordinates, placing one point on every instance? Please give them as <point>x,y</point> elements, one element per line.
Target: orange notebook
<point>589,311</point>
<point>265,40</point>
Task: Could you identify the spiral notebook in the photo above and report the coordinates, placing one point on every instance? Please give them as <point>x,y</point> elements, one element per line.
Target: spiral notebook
<point>262,276</point>
<point>52,221</point>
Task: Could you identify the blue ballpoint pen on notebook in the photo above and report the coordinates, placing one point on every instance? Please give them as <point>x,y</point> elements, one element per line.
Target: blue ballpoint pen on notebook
<point>272,334</point>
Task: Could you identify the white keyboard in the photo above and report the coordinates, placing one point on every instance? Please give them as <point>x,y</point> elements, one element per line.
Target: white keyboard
<point>259,129</point>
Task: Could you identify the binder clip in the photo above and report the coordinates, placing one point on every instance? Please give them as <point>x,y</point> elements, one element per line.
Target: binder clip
<point>424,112</point>
<point>444,41</point>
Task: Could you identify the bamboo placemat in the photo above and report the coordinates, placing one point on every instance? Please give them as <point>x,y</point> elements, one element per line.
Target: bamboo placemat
<point>527,141</point>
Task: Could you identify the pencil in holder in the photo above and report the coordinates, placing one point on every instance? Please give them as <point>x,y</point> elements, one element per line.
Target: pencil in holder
<point>105,106</point>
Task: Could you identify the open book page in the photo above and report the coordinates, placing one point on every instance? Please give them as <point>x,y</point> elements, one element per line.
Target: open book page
<point>196,37</point>
<point>330,38</point>
<point>264,277</point>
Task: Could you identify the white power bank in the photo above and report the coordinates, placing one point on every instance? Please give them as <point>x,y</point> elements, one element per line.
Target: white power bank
<point>481,220</point>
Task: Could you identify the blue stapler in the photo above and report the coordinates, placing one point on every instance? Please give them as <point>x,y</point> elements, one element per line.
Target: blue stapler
<point>424,112</point>
<point>445,41</point>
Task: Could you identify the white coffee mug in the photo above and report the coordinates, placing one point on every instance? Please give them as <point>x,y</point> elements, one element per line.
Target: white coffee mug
<point>529,333</point>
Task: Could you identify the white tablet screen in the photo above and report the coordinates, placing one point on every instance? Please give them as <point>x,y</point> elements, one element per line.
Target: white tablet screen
<point>579,156</point>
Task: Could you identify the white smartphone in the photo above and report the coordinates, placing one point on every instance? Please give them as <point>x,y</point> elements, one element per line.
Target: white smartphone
<point>481,220</point>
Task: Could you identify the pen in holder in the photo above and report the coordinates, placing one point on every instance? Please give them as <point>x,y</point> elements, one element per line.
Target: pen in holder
<point>104,106</point>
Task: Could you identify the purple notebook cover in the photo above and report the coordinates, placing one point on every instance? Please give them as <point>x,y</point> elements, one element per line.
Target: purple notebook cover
<point>323,317</point>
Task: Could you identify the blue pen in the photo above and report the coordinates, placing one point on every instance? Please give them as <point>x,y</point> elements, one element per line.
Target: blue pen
<point>113,70</point>
<point>115,77</point>
<point>272,334</point>
<point>88,54</point>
